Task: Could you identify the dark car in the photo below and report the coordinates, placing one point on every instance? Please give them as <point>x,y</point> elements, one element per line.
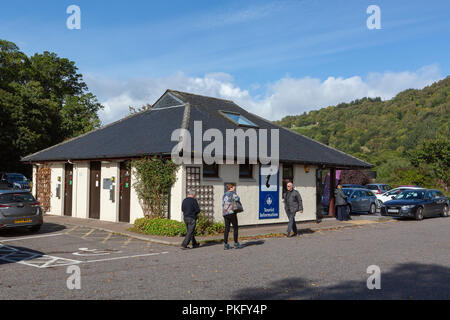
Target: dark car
<point>14,181</point>
<point>378,188</point>
<point>20,209</point>
<point>361,200</point>
<point>417,204</point>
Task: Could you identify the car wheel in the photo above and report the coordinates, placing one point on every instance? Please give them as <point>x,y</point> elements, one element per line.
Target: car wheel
<point>34,229</point>
<point>444,212</point>
<point>419,214</point>
<point>373,208</point>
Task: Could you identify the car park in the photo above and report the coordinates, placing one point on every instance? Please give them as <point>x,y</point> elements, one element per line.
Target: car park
<point>417,204</point>
<point>19,209</point>
<point>378,188</point>
<point>361,200</point>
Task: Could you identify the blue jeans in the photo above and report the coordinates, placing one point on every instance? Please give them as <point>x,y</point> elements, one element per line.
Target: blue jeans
<point>291,225</point>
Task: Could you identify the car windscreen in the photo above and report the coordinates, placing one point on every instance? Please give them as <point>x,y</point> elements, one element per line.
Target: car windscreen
<point>16,197</point>
<point>372,187</point>
<point>410,195</point>
<point>16,178</point>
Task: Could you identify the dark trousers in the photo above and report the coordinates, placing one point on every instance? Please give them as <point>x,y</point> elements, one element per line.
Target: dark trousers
<point>291,225</point>
<point>231,219</point>
<point>190,235</point>
<point>342,213</point>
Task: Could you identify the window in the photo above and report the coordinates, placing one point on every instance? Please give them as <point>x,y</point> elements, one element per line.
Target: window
<point>246,171</point>
<point>210,170</point>
<point>238,119</point>
<point>288,176</point>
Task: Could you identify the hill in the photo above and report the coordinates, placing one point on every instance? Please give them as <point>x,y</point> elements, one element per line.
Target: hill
<point>384,133</point>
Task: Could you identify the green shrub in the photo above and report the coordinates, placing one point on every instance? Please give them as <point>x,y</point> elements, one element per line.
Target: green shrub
<point>172,228</point>
<point>160,227</point>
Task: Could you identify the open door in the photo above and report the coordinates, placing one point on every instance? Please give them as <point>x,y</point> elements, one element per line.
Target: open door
<point>94,190</point>
<point>124,192</point>
<point>68,189</point>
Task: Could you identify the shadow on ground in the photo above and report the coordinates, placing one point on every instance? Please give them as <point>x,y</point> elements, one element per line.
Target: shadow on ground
<point>406,281</point>
<point>13,254</point>
<point>46,228</point>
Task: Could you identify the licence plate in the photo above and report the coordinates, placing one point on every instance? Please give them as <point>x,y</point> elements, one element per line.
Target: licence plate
<point>19,221</point>
<point>393,210</point>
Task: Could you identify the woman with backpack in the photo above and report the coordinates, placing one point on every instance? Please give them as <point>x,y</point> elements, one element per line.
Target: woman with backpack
<point>231,206</point>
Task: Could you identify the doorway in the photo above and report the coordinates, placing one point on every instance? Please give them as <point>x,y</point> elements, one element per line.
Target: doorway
<point>94,190</point>
<point>68,189</point>
<point>124,192</point>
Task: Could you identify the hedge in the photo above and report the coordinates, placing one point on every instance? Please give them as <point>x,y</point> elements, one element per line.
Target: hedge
<point>172,228</point>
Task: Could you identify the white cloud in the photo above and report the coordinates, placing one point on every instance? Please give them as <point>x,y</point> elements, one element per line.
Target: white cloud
<point>283,97</point>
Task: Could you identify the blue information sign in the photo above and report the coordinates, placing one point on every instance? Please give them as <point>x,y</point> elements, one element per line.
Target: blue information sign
<point>269,196</point>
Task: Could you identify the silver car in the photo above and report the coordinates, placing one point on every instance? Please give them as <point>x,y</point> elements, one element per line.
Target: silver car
<point>19,209</point>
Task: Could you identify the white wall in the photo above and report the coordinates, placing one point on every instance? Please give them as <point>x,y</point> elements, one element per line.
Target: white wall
<point>178,193</point>
<point>248,191</point>
<point>135,207</point>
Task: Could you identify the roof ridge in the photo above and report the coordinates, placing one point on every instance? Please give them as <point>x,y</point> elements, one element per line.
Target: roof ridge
<point>198,95</point>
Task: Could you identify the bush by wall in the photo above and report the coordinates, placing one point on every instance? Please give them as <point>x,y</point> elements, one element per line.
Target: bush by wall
<point>172,228</point>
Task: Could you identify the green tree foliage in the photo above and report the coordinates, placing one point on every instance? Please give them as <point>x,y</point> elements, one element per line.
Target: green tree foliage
<point>154,177</point>
<point>435,155</point>
<point>386,133</point>
<point>43,101</point>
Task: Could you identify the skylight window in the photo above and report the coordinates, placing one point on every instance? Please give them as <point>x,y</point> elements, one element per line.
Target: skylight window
<point>238,119</point>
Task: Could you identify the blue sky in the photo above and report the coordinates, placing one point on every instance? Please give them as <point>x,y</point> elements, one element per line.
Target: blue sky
<point>272,57</point>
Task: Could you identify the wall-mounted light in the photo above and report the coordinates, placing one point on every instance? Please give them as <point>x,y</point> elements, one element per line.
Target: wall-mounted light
<point>307,169</point>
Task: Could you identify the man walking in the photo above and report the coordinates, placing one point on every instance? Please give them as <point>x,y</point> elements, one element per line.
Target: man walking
<point>190,210</point>
<point>341,204</point>
<point>292,204</point>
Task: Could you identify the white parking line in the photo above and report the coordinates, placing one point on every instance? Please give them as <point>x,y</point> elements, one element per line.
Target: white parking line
<point>127,257</point>
<point>36,237</point>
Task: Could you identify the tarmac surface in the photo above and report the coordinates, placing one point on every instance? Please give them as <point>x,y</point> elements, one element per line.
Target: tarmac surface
<point>327,263</point>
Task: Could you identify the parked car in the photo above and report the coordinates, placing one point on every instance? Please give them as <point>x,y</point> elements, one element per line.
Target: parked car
<point>391,194</point>
<point>15,180</point>
<point>379,188</point>
<point>361,200</point>
<point>418,203</point>
<point>20,209</point>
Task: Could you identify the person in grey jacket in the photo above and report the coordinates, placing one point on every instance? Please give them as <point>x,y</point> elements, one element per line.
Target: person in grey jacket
<point>292,204</point>
<point>341,203</point>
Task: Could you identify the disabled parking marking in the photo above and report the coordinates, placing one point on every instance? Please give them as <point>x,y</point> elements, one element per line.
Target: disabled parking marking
<point>107,237</point>
<point>94,252</point>
<point>73,229</point>
<point>127,257</point>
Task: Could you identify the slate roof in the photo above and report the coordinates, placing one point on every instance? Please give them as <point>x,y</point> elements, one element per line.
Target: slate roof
<point>149,133</point>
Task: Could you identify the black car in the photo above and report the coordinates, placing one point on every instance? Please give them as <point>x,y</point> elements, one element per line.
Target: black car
<point>417,204</point>
<point>14,181</point>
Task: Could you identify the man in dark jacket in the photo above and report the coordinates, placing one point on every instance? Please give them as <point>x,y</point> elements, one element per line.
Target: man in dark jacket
<point>190,210</point>
<point>341,203</point>
<point>292,204</point>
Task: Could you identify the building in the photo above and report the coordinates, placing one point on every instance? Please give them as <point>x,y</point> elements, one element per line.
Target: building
<point>86,177</point>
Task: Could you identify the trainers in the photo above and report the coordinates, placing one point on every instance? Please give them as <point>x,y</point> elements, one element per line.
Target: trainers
<point>237,245</point>
<point>226,246</point>
<point>197,245</point>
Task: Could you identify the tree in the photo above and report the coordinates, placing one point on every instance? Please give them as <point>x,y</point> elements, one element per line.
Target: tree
<point>434,154</point>
<point>43,101</point>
